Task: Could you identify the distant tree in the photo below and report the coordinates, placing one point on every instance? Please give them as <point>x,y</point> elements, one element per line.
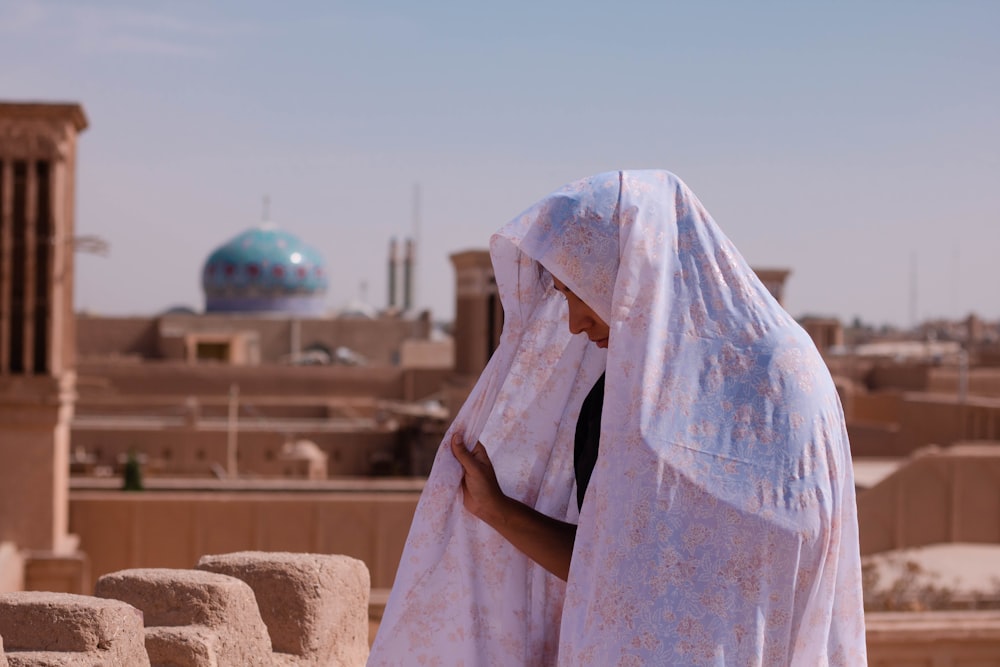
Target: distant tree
<point>132,476</point>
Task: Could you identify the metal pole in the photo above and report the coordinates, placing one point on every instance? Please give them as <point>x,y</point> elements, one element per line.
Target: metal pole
<point>234,413</point>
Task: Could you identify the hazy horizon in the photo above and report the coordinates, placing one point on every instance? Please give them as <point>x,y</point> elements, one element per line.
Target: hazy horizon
<point>857,145</point>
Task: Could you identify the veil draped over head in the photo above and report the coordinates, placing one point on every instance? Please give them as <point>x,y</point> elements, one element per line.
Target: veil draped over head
<point>719,526</point>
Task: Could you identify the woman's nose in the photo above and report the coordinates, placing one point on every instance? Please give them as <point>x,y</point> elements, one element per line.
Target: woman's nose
<point>577,319</point>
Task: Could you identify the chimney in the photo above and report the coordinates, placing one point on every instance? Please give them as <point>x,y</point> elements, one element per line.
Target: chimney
<point>393,260</point>
<point>408,275</point>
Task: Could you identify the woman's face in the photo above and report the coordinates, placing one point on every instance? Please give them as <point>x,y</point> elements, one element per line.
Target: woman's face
<point>582,319</point>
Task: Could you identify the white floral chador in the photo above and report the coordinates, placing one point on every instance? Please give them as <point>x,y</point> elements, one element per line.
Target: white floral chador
<point>719,527</point>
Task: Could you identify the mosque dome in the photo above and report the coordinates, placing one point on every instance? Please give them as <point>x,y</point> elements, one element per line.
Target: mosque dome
<point>264,269</point>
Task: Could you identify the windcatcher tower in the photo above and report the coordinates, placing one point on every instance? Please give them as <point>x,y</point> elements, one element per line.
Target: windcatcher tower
<point>37,378</point>
<point>478,322</point>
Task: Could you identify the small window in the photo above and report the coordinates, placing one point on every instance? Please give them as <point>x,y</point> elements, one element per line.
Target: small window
<point>212,351</point>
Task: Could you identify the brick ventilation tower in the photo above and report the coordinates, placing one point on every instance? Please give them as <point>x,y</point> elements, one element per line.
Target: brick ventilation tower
<point>37,379</point>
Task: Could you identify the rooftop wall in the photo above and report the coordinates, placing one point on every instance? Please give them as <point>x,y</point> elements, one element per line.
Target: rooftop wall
<point>378,340</point>
<point>906,377</point>
<point>897,424</point>
<point>878,407</point>
<point>122,379</point>
<point>250,609</point>
<point>933,639</point>
<point>948,496</point>
<point>875,439</point>
<point>117,337</point>
<point>173,529</point>
<point>218,618</point>
<point>980,381</point>
<point>942,420</point>
<point>196,451</point>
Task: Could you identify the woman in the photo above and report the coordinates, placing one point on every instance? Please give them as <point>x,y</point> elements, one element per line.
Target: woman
<point>719,525</point>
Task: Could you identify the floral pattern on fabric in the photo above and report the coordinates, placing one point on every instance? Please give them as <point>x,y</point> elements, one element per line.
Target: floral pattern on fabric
<point>719,527</point>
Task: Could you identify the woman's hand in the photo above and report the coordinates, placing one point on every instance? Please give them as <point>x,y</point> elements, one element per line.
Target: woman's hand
<point>547,541</point>
<point>481,492</point>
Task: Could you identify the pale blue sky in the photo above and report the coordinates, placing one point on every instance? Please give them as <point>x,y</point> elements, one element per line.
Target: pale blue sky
<point>841,140</point>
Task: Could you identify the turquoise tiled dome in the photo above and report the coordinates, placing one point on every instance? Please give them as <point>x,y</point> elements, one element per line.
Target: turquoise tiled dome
<point>264,269</point>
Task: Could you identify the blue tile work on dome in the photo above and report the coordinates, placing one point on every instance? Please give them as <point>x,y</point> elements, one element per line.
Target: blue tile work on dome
<point>264,269</point>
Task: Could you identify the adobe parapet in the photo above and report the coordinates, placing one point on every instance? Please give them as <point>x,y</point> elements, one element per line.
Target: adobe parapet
<point>56,629</point>
<point>315,608</point>
<point>945,638</point>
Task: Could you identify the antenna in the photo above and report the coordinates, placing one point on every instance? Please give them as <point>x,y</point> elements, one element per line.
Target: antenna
<point>415,249</point>
<point>266,213</point>
<point>913,289</point>
<point>956,269</point>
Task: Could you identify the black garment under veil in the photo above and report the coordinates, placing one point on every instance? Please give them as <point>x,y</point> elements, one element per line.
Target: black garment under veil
<point>588,437</point>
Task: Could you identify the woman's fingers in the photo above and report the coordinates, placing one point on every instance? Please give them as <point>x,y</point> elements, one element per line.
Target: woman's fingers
<point>481,494</point>
<point>459,450</point>
<point>479,454</point>
<point>473,460</point>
